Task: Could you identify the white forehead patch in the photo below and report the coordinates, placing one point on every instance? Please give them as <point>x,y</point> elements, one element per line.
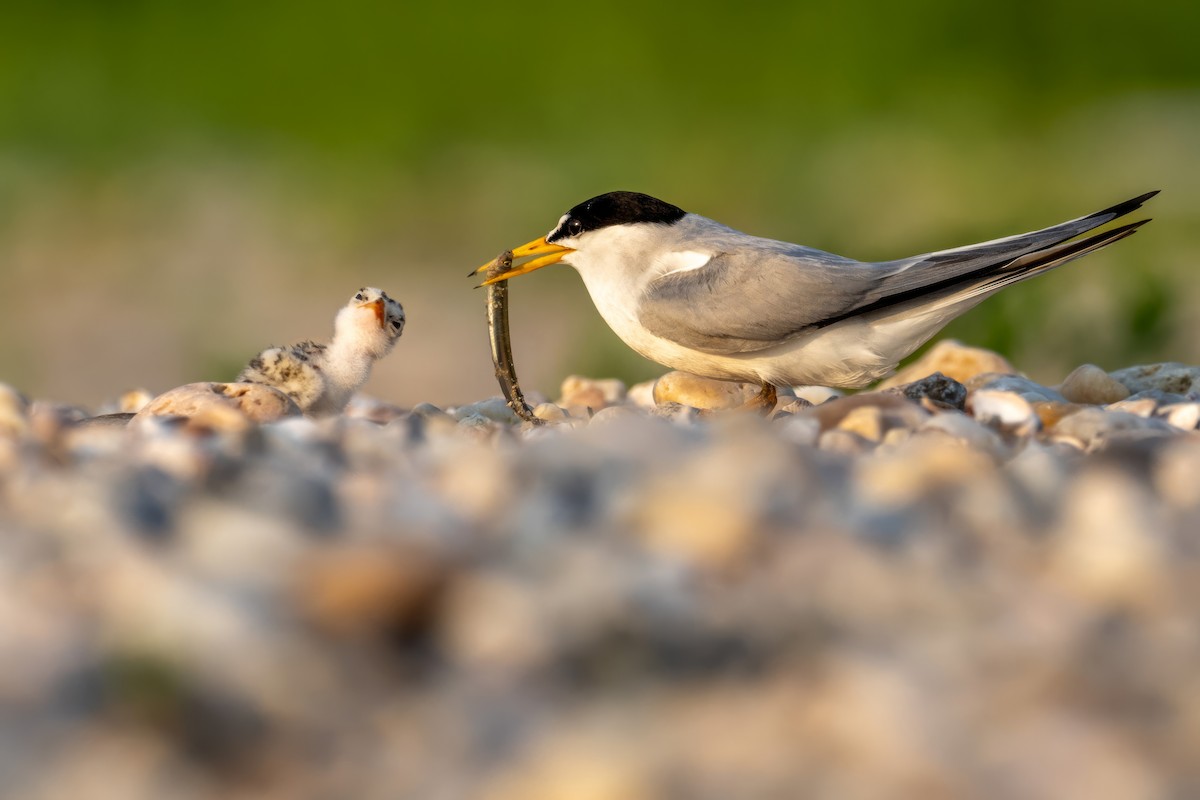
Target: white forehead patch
<point>561,220</point>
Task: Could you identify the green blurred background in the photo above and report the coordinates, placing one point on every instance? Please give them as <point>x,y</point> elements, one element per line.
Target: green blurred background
<point>182,184</point>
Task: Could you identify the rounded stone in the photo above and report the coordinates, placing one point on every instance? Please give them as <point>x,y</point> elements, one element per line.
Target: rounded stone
<point>1185,416</point>
<point>866,421</point>
<point>954,360</point>
<point>549,412</point>
<point>1031,390</point>
<point>1092,385</point>
<point>1169,377</point>
<point>642,394</point>
<point>222,406</point>
<point>896,410</point>
<point>495,409</point>
<point>1094,426</point>
<point>591,393</point>
<point>133,401</point>
<point>1007,411</point>
<point>703,393</point>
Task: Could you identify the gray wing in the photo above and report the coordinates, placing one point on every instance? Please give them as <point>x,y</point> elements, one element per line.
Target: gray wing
<point>748,300</point>
<point>754,298</point>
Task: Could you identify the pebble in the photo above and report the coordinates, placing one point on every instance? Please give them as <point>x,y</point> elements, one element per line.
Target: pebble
<point>642,394</point>
<point>221,406</point>
<point>1030,390</point>
<point>494,409</point>
<point>1090,384</point>
<point>866,421</point>
<point>891,597</point>
<point>578,391</point>
<point>954,360</point>
<point>937,389</point>
<point>1004,411</point>
<point>1139,406</point>
<point>1169,377</point>
<point>549,412</point>
<point>1185,416</point>
<point>1094,427</point>
<point>702,393</point>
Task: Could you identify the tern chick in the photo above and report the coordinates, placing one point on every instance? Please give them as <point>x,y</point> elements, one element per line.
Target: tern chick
<point>695,295</point>
<point>322,378</point>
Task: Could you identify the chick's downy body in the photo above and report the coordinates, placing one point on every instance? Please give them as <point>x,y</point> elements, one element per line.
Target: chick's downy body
<point>321,378</point>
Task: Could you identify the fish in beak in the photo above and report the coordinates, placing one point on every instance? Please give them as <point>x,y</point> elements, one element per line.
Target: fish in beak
<point>549,254</point>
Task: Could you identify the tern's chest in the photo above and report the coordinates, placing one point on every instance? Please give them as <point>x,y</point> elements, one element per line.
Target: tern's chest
<point>617,303</point>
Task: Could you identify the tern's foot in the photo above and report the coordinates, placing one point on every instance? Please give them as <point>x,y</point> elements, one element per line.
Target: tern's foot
<point>762,403</point>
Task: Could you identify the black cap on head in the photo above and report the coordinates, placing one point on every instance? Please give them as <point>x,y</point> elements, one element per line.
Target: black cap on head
<point>616,208</point>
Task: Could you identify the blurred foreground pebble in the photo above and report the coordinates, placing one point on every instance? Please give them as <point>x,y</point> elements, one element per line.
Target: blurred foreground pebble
<point>968,585</point>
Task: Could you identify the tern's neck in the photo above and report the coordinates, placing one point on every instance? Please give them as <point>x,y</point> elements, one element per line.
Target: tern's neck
<point>347,366</point>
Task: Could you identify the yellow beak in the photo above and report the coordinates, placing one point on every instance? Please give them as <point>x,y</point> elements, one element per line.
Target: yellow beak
<point>377,307</point>
<point>550,254</point>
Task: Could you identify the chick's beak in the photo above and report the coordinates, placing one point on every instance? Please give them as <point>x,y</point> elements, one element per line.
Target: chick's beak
<point>550,254</point>
<point>377,307</point>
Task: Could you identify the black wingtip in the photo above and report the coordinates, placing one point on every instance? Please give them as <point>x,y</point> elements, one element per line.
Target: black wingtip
<point>1121,209</point>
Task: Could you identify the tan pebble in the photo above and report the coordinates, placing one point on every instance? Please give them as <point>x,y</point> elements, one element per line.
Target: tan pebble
<point>703,393</point>
<point>895,437</point>
<point>896,409</point>
<point>1185,416</point>
<point>549,412</point>
<point>642,394</point>
<point>866,421</point>
<point>576,765</point>
<point>844,442</point>
<point>954,360</point>
<point>494,623</point>
<point>710,529</point>
<point>210,404</point>
<point>134,401</point>
<point>1090,384</point>
<point>1108,545</point>
<point>706,510</point>
<point>614,414</point>
<point>361,588</point>
<point>592,393</point>
<point>1050,412</point>
<point>926,461</point>
<point>1175,475</point>
<point>967,431</point>
<point>1141,406</point>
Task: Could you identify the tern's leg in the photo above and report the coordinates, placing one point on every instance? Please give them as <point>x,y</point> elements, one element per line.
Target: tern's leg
<point>764,402</point>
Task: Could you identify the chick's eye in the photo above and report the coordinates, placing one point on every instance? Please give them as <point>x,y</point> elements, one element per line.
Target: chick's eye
<point>574,227</point>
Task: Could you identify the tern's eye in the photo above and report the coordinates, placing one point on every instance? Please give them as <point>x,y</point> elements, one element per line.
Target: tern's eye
<point>574,227</point>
